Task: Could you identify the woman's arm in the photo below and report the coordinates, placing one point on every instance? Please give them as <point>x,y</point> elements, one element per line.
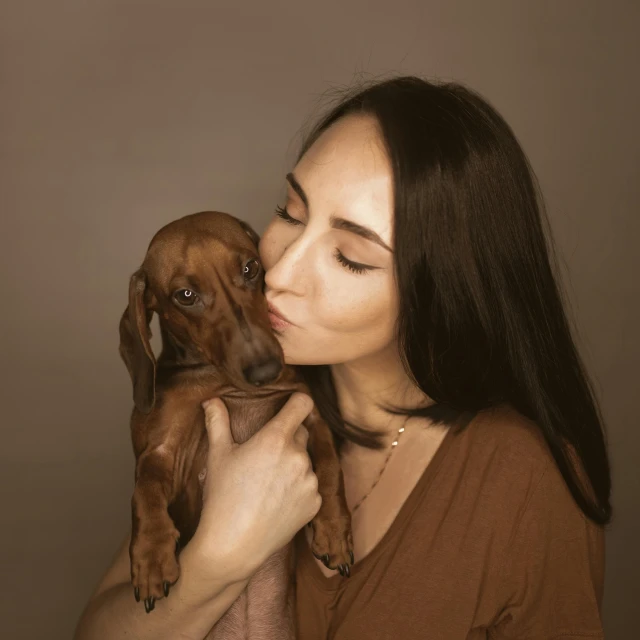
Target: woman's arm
<point>256,496</point>
<point>189,612</point>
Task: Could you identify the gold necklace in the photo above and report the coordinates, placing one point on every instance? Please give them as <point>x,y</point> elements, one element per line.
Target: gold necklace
<point>394,444</point>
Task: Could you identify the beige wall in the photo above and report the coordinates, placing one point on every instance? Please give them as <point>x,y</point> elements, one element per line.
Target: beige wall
<point>119,116</point>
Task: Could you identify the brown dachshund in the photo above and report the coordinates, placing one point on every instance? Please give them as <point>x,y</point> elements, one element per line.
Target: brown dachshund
<point>203,277</point>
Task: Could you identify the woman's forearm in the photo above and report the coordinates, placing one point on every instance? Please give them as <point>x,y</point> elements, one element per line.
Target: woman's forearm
<point>189,612</point>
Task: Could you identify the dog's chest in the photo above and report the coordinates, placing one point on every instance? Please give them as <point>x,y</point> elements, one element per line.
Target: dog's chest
<point>247,416</point>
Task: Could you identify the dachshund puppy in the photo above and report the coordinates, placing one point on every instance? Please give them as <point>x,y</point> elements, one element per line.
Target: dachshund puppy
<point>202,276</point>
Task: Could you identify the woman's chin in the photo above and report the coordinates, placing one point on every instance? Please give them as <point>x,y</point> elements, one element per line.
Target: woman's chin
<point>293,359</point>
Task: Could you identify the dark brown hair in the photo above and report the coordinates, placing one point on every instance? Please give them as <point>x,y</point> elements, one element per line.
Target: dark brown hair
<point>481,318</point>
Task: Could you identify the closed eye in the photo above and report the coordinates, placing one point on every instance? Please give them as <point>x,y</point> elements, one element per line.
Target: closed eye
<point>354,267</point>
<point>284,214</point>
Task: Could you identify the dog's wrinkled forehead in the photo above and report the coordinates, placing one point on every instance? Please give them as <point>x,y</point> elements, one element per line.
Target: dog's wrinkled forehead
<point>198,243</point>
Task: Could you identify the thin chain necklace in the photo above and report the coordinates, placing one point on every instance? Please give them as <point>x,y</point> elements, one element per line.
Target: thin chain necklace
<point>394,444</point>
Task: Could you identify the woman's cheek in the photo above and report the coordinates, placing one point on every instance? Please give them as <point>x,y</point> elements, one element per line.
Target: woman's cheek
<point>355,308</point>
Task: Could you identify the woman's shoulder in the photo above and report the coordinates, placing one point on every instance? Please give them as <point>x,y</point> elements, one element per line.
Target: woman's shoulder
<point>513,432</point>
<point>550,546</point>
<point>511,453</point>
<point>505,433</point>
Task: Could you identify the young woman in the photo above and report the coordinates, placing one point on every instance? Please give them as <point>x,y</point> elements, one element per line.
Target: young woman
<point>409,273</point>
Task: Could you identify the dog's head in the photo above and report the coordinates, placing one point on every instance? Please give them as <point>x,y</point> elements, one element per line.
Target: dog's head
<point>203,277</point>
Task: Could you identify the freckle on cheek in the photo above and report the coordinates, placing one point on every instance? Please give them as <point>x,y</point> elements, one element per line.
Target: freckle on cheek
<point>355,312</point>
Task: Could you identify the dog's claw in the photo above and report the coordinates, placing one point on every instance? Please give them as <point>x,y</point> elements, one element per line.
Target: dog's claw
<point>351,557</point>
<point>149,604</point>
<point>136,594</point>
<point>325,559</point>
<point>343,569</point>
<point>165,588</point>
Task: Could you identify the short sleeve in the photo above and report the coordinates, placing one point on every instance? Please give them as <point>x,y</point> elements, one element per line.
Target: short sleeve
<point>553,576</point>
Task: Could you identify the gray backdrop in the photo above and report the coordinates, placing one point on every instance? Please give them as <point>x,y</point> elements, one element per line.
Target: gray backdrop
<point>118,116</point>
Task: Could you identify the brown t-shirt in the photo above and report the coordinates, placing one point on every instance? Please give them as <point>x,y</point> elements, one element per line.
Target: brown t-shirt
<point>489,544</point>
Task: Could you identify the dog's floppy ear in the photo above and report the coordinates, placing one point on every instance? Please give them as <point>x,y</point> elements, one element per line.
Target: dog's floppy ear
<point>135,348</point>
<point>250,232</point>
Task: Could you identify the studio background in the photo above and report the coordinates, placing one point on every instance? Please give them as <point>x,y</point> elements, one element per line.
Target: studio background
<point>118,116</point>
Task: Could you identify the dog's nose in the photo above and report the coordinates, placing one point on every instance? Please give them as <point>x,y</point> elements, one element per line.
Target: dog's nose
<point>262,373</point>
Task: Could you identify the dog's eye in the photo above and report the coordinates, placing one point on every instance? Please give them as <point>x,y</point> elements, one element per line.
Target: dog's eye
<point>251,269</point>
<point>185,297</point>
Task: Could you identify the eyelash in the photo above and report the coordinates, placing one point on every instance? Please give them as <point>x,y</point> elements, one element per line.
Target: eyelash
<point>354,267</point>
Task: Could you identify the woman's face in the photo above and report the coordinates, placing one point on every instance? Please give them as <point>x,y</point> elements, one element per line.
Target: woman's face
<point>328,252</point>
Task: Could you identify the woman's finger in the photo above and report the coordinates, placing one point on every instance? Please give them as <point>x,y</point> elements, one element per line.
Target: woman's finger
<point>291,416</point>
<point>216,418</point>
<point>301,436</point>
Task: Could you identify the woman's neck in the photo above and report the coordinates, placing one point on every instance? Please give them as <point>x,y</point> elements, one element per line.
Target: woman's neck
<point>380,379</point>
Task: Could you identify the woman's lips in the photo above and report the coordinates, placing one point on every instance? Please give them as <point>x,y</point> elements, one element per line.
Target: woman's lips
<point>278,321</point>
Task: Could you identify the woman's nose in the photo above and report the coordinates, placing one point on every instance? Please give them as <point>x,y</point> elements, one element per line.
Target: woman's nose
<point>288,272</point>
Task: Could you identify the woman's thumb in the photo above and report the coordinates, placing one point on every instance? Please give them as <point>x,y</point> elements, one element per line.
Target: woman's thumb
<point>216,418</point>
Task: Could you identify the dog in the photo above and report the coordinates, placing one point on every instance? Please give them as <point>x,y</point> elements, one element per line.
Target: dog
<point>202,276</point>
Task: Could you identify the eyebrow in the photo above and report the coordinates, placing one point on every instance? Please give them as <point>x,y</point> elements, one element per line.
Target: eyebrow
<point>339,223</point>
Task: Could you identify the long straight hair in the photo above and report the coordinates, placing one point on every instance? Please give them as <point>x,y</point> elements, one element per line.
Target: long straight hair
<point>481,319</point>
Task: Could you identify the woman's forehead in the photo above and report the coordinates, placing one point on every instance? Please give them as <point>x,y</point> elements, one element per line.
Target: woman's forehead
<point>348,168</point>
<point>353,142</point>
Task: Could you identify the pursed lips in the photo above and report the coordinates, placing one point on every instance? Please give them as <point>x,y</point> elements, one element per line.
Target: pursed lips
<point>276,312</point>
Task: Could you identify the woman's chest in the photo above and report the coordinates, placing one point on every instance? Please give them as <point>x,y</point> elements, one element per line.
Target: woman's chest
<point>414,587</point>
<point>428,560</point>
<point>382,490</point>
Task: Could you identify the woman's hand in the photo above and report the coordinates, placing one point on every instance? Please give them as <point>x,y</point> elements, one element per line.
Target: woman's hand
<point>256,495</point>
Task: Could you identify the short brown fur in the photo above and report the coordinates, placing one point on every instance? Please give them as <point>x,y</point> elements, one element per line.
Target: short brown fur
<point>205,353</point>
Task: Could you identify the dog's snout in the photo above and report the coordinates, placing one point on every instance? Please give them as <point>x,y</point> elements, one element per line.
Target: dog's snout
<point>263,372</point>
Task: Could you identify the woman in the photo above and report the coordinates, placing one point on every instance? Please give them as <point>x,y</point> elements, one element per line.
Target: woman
<point>411,263</point>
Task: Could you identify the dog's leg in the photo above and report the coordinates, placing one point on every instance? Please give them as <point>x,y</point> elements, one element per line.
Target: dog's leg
<point>154,566</point>
<point>332,538</point>
<point>233,624</point>
<point>265,610</point>
<point>271,598</point>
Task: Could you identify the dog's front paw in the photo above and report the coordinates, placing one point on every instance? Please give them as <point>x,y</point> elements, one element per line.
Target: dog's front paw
<point>332,540</point>
<point>154,566</point>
